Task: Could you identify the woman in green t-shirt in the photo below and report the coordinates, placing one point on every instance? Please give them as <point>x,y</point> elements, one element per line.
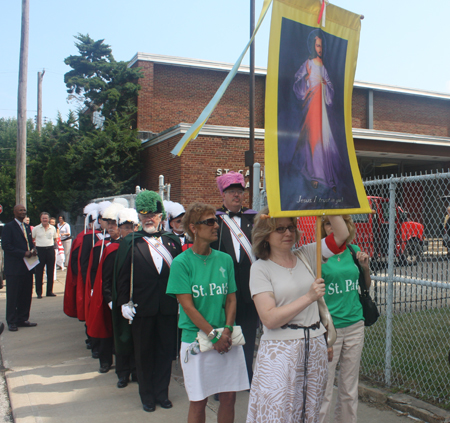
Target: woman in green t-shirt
<point>202,279</point>
<point>341,277</point>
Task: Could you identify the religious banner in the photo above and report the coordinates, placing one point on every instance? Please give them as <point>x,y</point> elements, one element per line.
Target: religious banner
<point>310,160</point>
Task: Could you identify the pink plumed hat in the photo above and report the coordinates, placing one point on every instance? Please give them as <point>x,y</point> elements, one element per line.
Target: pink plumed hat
<point>230,178</point>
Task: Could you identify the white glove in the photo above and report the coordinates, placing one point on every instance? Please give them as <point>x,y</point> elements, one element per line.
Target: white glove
<point>128,312</point>
<point>110,305</point>
<point>92,291</point>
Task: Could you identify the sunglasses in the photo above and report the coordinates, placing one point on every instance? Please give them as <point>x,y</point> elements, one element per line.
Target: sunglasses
<point>208,222</point>
<point>282,229</point>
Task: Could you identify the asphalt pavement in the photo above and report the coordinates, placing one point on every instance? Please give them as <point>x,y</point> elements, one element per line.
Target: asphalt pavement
<point>51,377</point>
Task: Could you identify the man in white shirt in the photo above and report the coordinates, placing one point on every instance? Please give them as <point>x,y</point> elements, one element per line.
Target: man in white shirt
<point>66,238</point>
<point>44,236</point>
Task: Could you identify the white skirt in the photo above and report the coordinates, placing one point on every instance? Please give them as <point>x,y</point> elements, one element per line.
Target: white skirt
<point>210,373</point>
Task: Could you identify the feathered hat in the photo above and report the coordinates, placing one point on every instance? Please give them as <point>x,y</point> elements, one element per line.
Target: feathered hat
<point>112,211</point>
<point>102,206</point>
<point>150,202</point>
<point>127,216</point>
<point>173,211</point>
<point>231,178</point>
<point>122,201</point>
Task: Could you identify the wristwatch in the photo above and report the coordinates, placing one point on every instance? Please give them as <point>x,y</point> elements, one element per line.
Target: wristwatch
<point>212,335</point>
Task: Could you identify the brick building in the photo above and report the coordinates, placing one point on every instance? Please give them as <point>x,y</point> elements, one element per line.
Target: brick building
<point>396,130</point>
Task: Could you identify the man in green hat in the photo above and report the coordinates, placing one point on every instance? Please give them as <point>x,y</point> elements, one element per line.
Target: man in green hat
<point>144,317</point>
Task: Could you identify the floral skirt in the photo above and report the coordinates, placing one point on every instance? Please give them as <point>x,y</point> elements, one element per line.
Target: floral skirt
<point>276,394</point>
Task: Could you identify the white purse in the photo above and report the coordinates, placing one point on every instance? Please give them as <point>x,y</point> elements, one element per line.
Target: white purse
<point>325,316</point>
<point>237,338</point>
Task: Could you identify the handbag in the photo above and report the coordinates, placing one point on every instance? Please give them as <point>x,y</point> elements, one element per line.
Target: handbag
<point>370,309</point>
<point>324,313</point>
<point>237,338</point>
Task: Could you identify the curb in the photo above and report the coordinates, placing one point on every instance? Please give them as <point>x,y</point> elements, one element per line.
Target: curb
<point>416,408</point>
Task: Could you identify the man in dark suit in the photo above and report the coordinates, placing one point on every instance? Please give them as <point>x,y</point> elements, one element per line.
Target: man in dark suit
<point>142,270</point>
<point>235,231</point>
<point>17,243</point>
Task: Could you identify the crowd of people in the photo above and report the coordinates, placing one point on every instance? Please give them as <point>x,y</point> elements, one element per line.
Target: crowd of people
<point>159,281</point>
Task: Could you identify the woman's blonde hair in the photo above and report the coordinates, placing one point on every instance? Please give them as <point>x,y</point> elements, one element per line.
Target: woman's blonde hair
<point>350,226</point>
<point>194,214</point>
<point>262,228</point>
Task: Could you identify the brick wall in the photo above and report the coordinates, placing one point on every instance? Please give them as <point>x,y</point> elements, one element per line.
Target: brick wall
<point>411,114</point>
<point>193,175</point>
<point>359,108</point>
<point>179,94</point>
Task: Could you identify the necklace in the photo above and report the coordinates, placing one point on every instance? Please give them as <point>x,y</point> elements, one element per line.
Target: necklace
<point>290,269</point>
<point>201,257</point>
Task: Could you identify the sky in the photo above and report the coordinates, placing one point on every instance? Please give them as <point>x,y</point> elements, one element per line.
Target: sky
<point>403,43</point>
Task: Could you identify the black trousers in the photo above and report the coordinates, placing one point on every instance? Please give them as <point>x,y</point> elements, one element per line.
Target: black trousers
<point>154,340</point>
<point>46,258</point>
<point>247,319</point>
<point>125,366</point>
<point>18,297</point>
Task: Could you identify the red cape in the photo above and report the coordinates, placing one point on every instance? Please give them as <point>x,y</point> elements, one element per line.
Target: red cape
<point>99,318</point>
<point>70,299</point>
<point>80,283</point>
<point>88,287</point>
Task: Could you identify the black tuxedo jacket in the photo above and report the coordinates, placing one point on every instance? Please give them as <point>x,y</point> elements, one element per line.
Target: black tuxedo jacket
<point>15,246</point>
<point>225,244</point>
<point>149,286</point>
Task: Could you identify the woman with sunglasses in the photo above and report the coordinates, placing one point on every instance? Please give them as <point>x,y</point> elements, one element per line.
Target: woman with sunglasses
<point>202,279</point>
<point>293,344</point>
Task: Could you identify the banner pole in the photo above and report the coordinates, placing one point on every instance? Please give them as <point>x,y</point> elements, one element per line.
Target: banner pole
<point>318,247</point>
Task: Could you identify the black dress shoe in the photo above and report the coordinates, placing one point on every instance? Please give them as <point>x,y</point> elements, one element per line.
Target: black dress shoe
<point>51,295</point>
<point>165,403</point>
<point>12,327</point>
<point>104,368</point>
<point>40,297</point>
<point>26,324</point>
<point>122,382</point>
<point>2,327</point>
<point>88,345</point>
<point>95,354</point>
<point>149,407</point>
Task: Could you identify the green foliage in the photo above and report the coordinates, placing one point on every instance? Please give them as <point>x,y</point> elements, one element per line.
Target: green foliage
<point>8,137</point>
<point>99,81</point>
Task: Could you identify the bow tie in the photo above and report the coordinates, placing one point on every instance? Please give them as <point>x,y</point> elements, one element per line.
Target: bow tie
<point>180,235</point>
<point>232,214</point>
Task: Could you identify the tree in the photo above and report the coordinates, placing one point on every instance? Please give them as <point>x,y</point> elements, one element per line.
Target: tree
<point>99,81</point>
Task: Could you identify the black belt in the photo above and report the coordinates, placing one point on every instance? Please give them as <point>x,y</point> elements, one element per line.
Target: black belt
<point>314,326</point>
<point>46,248</point>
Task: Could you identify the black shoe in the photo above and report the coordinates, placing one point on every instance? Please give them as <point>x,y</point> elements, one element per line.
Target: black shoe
<point>2,327</point>
<point>104,368</point>
<point>122,382</point>
<point>26,324</point>
<point>12,327</point>
<point>216,397</point>
<point>40,297</point>
<point>149,407</point>
<point>165,403</point>
<point>51,295</point>
<point>88,345</point>
<point>95,354</point>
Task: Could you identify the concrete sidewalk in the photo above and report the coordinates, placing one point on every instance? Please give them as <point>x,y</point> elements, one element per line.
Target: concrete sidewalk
<point>51,377</point>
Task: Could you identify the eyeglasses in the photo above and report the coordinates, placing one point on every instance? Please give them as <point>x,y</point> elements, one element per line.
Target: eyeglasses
<point>282,229</point>
<point>208,222</point>
<point>234,191</point>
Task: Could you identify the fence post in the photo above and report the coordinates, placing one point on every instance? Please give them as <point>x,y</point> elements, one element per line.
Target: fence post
<point>390,281</point>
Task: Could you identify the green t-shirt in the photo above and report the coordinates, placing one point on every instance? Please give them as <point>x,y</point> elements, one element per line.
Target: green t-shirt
<point>341,289</point>
<point>209,284</point>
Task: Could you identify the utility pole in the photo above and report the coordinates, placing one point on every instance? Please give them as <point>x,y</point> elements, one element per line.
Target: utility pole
<point>21,151</point>
<point>250,154</point>
<point>39,103</point>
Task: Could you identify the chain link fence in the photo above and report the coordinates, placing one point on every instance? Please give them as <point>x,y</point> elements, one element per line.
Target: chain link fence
<point>408,348</point>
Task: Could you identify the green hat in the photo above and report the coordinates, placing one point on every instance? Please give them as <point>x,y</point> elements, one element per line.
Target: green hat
<point>150,202</point>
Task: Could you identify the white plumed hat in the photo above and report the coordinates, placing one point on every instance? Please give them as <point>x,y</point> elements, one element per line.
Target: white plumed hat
<point>127,216</point>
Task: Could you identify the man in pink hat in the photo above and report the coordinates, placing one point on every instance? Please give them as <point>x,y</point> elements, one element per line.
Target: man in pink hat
<point>236,223</point>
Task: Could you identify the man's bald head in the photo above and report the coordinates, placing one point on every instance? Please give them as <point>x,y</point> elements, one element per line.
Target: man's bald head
<point>20,212</point>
